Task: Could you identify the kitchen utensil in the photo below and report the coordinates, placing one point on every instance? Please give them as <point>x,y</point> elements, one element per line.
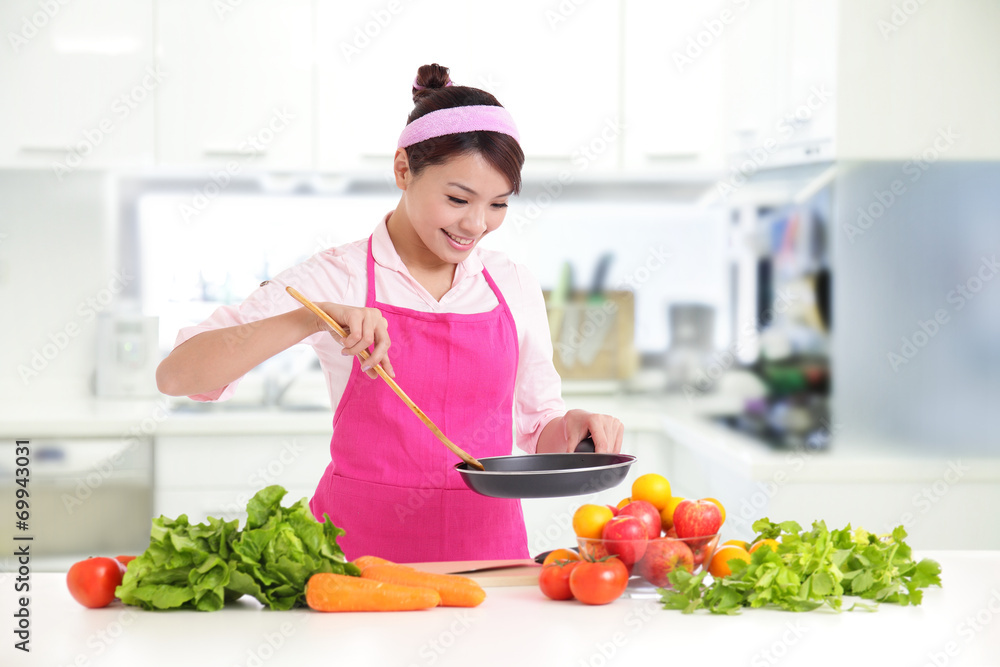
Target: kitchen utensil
<point>547,475</point>
<point>602,321</point>
<point>469,460</point>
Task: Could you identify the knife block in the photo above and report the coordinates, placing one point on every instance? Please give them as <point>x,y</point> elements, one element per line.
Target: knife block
<point>593,338</point>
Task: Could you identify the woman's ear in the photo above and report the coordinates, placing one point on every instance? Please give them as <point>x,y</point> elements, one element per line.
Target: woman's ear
<point>401,168</point>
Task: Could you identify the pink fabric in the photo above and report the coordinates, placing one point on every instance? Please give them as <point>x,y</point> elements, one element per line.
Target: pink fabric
<point>391,485</point>
<point>339,275</point>
<point>458,119</point>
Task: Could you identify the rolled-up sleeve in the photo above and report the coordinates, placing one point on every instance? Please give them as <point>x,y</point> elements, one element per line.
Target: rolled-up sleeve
<point>538,390</point>
<point>270,299</point>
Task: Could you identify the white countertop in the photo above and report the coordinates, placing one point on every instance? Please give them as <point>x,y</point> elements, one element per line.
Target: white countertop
<point>520,626</point>
<point>682,420</point>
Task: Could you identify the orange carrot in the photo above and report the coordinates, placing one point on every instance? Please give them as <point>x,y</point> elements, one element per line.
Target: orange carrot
<point>364,561</point>
<point>338,592</point>
<point>455,591</point>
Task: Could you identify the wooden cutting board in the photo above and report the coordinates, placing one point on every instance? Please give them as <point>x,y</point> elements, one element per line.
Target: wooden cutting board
<point>520,573</point>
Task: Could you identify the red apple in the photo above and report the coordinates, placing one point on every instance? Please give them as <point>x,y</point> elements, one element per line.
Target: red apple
<point>702,549</point>
<point>663,557</point>
<point>625,537</point>
<point>593,549</point>
<point>614,510</point>
<point>697,518</point>
<point>647,513</point>
<point>671,532</point>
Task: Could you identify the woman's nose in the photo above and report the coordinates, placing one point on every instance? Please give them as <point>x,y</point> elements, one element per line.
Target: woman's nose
<point>474,222</point>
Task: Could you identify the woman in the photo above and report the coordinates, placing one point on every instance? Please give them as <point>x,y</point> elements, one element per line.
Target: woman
<point>469,344</point>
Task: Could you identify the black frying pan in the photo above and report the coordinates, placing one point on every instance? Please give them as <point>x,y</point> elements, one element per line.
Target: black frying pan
<point>547,475</point>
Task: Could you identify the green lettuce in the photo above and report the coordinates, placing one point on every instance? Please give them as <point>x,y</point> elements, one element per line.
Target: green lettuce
<point>204,566</point>
<point>280,548</point>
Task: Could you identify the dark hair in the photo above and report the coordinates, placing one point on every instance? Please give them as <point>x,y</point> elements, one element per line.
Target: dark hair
<point>500,150</point>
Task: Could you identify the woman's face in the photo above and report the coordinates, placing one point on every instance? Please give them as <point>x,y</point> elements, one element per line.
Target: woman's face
<point>452,206</point>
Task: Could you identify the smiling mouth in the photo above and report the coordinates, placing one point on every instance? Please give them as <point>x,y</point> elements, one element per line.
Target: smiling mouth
<point>457,239</point>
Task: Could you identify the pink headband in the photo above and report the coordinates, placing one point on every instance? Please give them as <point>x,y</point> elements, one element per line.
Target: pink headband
<point>454,120</point>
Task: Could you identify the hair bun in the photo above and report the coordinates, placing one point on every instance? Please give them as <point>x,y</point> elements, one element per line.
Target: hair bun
<point>430,77</point>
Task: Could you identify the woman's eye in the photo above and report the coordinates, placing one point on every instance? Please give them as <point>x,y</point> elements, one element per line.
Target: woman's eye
<point>504,205</point>
<point>456,200</point>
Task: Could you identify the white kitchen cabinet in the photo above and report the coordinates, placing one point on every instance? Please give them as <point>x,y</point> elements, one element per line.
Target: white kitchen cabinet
<point>79,81</point>
<point>546,64</point>
<point>239,88</point>
<point>781,83</point>
<point>919,81</point>
<point>216,475</point>
<point>674,57</point>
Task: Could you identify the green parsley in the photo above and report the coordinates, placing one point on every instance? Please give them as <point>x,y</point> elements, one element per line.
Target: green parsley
<point>810,569</point>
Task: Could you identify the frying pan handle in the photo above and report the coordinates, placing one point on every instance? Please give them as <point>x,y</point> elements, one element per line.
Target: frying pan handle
<point>586,445</point>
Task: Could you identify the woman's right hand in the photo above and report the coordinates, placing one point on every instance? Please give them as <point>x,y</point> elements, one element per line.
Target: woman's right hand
<point>365,327</point>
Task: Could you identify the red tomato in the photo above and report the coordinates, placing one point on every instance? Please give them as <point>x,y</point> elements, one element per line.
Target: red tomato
<point>125,560</point>
<point>598,582</point>
<point>92,582</point>
<point>554,579</point>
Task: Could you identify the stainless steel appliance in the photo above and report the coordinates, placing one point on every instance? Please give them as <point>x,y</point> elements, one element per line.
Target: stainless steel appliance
<point>88,497</point>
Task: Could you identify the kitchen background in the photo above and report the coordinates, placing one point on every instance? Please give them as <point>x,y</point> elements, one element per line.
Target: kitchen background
<point>767,233</point>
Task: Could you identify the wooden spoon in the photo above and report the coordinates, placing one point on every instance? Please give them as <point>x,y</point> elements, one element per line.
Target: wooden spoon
<point>392,383</point>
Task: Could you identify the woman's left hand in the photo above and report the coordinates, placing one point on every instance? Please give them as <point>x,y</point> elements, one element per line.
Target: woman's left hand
<point>606,431</point>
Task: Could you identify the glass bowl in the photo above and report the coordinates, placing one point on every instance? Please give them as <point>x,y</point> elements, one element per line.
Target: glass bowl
<point>650,561</point>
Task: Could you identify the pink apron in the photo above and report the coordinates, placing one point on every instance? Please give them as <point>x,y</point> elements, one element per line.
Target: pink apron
<point>391,485</point>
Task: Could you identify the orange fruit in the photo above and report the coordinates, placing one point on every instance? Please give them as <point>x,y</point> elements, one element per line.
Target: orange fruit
<point>737,543</point>
<point>719,567</point>
<point>773,544</point>
<point>589,520</point>
<point>623,502</point>
<point>667,513</point>
<point>652,488</point>
<point>561,554</point>
<point>722,510</point>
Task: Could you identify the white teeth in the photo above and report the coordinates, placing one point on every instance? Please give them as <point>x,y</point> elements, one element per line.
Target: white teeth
<point>458,240</point>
